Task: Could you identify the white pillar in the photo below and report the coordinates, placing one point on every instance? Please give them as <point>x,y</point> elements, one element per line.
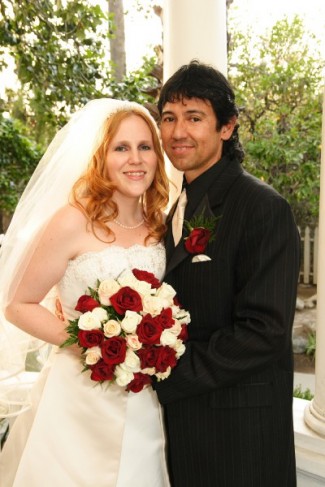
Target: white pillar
<point>193,29</point>
<point>315,410</point>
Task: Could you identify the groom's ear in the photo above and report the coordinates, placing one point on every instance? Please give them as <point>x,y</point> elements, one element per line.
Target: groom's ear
<point>228,128</point>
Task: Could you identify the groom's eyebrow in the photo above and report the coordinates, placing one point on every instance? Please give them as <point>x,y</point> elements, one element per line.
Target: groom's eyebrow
<point>187,112</point>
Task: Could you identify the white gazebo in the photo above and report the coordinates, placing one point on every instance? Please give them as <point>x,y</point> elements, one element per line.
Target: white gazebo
<point>195,29</point>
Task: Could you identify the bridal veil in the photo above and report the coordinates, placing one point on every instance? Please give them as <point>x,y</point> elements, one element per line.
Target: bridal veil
<point>66,158</point>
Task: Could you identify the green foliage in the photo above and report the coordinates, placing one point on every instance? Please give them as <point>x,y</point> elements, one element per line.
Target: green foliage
<point>311,344</point>
<point>18,158</point>
<point>60,54</point>
<point>134,86</point>
<point>60,50</point>
<point>278,81</point>
<point>201,221</point>
<point>306,394</point>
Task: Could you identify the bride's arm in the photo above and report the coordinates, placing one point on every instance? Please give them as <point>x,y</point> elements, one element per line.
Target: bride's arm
<point>45,268</point>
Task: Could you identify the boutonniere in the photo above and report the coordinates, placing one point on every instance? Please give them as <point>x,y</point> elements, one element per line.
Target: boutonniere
<point>201,232</point>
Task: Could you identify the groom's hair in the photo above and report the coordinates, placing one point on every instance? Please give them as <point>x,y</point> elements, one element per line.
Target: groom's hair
<point>199,80</point>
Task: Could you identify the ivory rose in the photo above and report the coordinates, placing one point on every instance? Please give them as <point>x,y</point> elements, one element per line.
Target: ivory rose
<point>123,376</point>
<point>100,313</point>
<point>89,321</point>
<point>168,338</point>
<point>179,348</point>
<point>112,328</point>
<point>93,355</point>
<point>132,361</point>
<point>152,305</point>
<point>166,292</point>
<point>130,321</point>
<point>133,342</point>
<point>106,289</point>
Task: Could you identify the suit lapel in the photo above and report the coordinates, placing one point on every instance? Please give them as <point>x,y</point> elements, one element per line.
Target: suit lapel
<point>179,253</point>
<point>217,191</point>
<point>169,239</point>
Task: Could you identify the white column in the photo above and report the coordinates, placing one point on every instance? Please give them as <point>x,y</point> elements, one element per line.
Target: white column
<point>193,29</point>
<point>315,410</point>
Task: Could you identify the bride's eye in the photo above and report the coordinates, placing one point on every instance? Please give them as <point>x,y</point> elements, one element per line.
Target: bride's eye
<point>120,148</point>
<point>145,147</point>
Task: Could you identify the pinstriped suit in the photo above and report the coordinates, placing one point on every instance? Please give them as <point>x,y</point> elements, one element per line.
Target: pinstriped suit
<point>228,403</point>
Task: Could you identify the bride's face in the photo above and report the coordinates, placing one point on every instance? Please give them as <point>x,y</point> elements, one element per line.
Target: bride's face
<point>131,160</point>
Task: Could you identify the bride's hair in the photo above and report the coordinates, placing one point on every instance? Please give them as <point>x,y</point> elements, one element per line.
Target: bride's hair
<point>93,191</point>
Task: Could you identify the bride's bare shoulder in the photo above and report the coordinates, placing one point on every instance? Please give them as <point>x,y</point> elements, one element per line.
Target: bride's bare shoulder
<point>69,218</point>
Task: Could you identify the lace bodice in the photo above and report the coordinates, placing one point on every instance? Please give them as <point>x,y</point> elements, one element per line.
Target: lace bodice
<point>87,268</point>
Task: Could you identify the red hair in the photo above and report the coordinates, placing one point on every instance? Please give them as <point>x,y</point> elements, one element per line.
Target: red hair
<point>93,191</point>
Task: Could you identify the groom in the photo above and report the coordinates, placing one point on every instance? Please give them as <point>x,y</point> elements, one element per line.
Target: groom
<point>228,403</point>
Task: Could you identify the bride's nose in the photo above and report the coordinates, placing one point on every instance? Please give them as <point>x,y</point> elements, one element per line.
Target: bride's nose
<point>135,156</point>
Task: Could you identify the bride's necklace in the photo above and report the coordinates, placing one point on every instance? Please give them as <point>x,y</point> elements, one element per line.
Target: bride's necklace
<point>127,227</point>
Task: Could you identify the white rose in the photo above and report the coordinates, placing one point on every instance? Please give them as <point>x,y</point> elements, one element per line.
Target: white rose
<point>163,375</point>
<point>183,317</point>
<point>167,293</point>
<point>149,371</point>
<point>143,288</point>
<point>175,310</point>
<point>176,328</point>
<point>152,305</point>
<point>127,278</point>
<point>168,338</point>
<point>93,354</point>
<point>112,328</point>
<point>89,321</point>
<point>133,342</point>
<point>123,376</point>
<point>106,289</point>
<point>100,313</point>
<point>130,321</point>
<point>179,348</point>
<point>132,361</point>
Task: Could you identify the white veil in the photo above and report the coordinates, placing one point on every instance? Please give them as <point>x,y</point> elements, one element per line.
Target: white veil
<point>66,158</point>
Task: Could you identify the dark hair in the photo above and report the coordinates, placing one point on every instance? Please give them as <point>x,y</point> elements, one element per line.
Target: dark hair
<point>198,80</point>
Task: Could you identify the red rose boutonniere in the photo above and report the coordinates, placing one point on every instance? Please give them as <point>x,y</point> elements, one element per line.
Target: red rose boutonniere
<point>201,232</point>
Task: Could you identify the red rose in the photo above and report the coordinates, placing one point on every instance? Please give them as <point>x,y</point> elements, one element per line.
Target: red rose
<point>114,350</point>
<point>176,302</point>
<point>165,318</point>
<point>102,371</point>
<point>149,330</point>
<point>147,277</point>
<point>183,334</point>
<point>90,338</point>
<point>126,299</point>
<point>86,303</point>
<point>197,241</point>
<point>148,356</point>
<point>137,384</point>
<point>166,358</point>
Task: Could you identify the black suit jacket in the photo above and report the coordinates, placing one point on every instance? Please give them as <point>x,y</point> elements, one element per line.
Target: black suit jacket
<point>228,403</point>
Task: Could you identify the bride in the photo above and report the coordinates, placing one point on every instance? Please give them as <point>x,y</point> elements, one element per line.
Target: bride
<point>92,209</point>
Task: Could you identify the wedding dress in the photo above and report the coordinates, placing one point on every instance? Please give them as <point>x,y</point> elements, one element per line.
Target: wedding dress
<point>79,433</point>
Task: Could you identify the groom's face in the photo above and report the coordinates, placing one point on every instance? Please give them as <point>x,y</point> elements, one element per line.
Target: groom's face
<point>190,137</point>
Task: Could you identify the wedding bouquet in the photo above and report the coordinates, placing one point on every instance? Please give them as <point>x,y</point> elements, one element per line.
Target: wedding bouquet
<point>130,330</point>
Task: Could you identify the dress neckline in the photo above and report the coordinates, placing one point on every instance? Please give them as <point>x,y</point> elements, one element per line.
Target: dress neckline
<point>115,247</point>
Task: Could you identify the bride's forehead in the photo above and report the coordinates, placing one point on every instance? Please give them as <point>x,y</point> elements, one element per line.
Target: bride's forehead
<point>131,128</point>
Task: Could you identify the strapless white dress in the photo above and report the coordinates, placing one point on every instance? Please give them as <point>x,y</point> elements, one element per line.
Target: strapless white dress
<point>78,434</point>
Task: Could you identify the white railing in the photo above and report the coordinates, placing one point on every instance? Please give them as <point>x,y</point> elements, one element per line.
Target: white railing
<point>309,258</point>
